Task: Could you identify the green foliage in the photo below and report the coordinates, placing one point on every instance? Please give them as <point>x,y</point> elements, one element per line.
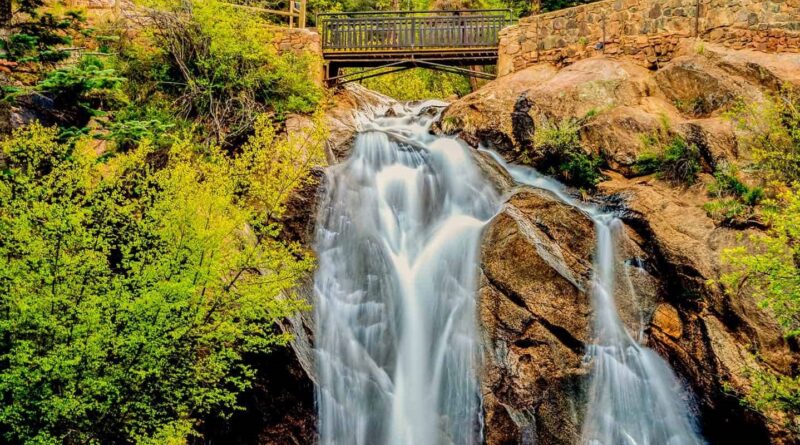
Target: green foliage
<point>559,144</point>
<point>419,84</point>
<point>220,66</point>
<point>130,289</point>
<point>769,267</point>
<point>88,84</point>
<point>734,199</point>
<point>772,133</point>
<point>727,183</point>
<point>133,125</point>
<point>772,392</point>
<point>773,268</point>
<point>39,34</point>
<point>727,210</point>
<point>669,156</point>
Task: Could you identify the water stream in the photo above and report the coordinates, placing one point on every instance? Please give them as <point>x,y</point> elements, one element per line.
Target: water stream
<point>398,240</point>
<point>634,396</point>
<point>397,351</point>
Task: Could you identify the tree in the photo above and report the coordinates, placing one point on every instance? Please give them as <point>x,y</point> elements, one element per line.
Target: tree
<point>220,66</point>
<point>131,286</point>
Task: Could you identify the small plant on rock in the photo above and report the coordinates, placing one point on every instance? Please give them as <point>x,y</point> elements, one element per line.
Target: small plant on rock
<point>669,156</point>
<point>735,201</point>
<point>559,148</point>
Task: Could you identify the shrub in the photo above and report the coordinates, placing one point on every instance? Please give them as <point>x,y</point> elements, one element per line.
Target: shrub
<point>560,152</point>
<point>727,183</point>
<point>734,199</point>
<point>772,268</point>
<point>725,210</point>
<point>220,67</point>
<point>771,392</point>
<point>88,85</point>
<point>419,84</point>
<point>771,131</point>
<point>38,35</point>
<point>130,290</point>
<point>669,156</point>
<point>132,125</point>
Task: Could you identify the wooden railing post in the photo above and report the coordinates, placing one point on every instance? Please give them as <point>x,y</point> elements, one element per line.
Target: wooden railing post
<point>413,31</point>
<point>303,6</point>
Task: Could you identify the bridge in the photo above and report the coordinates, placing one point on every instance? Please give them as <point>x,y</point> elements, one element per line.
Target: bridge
<point>386,42</point>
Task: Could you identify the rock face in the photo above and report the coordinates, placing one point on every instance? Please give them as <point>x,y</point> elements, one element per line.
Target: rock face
<point>689,95</point>
<point>536,258</point>
<point>534,308</point>
<point>537,253</point>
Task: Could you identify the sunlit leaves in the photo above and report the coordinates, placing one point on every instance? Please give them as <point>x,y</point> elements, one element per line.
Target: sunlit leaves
<point>129,289</point>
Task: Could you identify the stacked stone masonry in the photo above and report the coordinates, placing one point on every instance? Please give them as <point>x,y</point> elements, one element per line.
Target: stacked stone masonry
<point>648,30</point>
<point>301,41</point>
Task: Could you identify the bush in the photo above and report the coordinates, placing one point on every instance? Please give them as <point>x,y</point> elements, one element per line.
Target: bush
<point>734,199</point>
<point>88,85</point>
<point>772,392</point>
<point>772,133</point>
<point>130,289</point>
<point>219,67</point>
<point>726,210</point>
<point>669,156</point>
<point>771,270</point>
<point>559,149</point>
<point>152,122</point>
<point>37,35</point>
<point>727,183</point>
<point>773,267</point>
<point>419,84</point>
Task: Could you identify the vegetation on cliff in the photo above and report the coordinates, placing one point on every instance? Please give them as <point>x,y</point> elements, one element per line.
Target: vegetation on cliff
<point>770,267</point>
<point>141,255</point>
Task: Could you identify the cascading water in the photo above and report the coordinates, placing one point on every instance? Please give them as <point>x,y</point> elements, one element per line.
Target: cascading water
<point>634,397</point>
<point>397,240</point>
<point>396,337</point>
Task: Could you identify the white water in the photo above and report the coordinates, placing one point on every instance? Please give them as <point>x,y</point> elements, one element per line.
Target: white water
<point>397,352</point>
<point>634,396</point>
<point>397,240</point>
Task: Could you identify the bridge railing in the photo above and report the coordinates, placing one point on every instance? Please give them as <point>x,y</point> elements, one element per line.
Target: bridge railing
<point>412,30</point>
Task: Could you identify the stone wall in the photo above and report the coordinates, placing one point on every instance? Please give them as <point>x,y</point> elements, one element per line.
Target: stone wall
<point>302,41</point>
<point>648,30</point>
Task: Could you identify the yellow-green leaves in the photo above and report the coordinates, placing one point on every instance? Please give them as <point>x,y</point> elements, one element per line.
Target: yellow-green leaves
<point>771,132</point>
<point>129,290</point>
<point>772,268</point>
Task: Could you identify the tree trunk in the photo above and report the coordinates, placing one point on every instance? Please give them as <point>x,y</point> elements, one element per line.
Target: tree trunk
<point>536,7</point>
<point>5,12</point>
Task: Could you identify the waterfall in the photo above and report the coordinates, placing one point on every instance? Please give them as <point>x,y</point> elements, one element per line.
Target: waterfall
<point>634,396</point>
<point>396,343</point>
<point>398,247</point>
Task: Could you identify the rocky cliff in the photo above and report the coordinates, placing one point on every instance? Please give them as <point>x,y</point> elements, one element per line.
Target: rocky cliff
<point>537,253</point>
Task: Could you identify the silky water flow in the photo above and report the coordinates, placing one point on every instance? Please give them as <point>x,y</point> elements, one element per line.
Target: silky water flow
<point>397,351</point>
<point>398,243</point>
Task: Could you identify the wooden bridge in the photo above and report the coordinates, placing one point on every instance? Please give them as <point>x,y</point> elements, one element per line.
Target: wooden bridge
<point>384,42</point>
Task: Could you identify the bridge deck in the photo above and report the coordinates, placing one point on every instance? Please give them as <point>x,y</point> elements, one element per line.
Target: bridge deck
<point>434,39</point>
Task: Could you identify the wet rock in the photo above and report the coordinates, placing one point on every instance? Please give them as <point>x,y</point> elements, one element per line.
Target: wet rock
<point>534,316</point>
<point>712,341</point>
<point>341,117</point>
